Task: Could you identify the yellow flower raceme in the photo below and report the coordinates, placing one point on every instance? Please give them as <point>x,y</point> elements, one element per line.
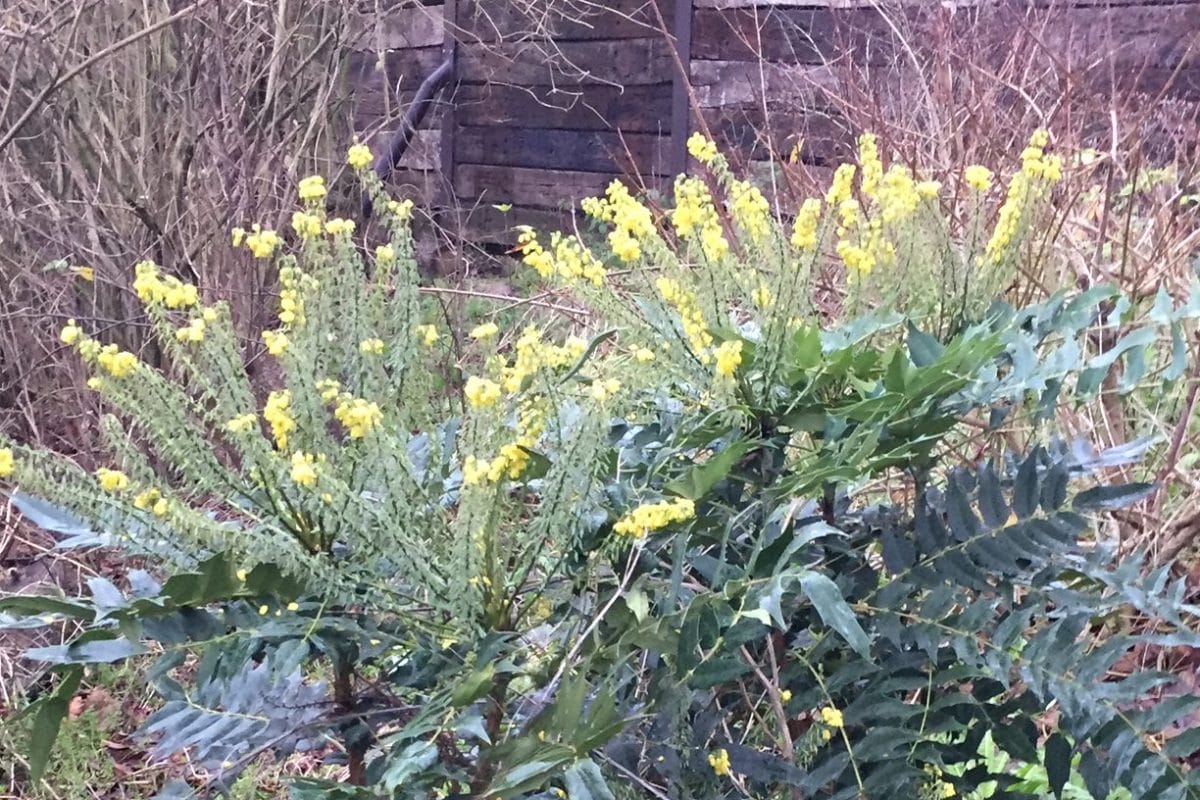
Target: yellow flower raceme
<point>329,389</point>
<point>71,333</point>
<point>358,416</point>
<point>654,516</point>
<point>145,500</point>
<point>359,157</point>
<point>702,149</point>
<point>761,296</point>
<point>928,190</point>
<point>688,307</point>
<point>978,177</point>
<point>276,341</point>
<point>262,243</point>
<point>632,221</point>
<point>481,392</point>
<point>385,254</point>
<point>8,464</point>
<point>750,210</point>
<point>154,290</point>
<point>897,196</point>
<point>400,209</point>
<point>832,717</point>
<point>485,331</point>
<point>312,189</point>
<point>193,332</point>
<point>643,355</point>
<point>805,230</point>
<point>112,480</point>
<point>116,362</point>
<point>278,415</point>
<point>307,226</point>
<point>304,470</point>
<point>872,166</point>
<point>340,227</point>
<point>695,213</point>
<point>371,346</point>
<point>729,357</point>
<point>719,761</point>
<point>842,186</point>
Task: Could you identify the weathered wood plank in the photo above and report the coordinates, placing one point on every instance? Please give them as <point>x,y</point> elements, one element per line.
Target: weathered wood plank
<point>793,35</point>
<point>399,69</point>
<point>634,109</point>
<point>823,137</point>
<point>626,62</point>
<point>722,83</point>
<point>584,151</point>
<point>533,188</point>
<point>571,20</point>
<point>1157,35</point>
<point>484,224</point>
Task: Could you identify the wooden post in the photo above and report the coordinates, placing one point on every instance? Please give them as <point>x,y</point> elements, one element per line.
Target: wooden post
<point>681,115</point>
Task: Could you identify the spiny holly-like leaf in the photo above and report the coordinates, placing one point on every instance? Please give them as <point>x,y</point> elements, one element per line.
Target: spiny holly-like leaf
<point>584,781</point>
<point>1058,763</point>
<point>48,717</point>
<point>834,611</point>
<point>1106,498</point>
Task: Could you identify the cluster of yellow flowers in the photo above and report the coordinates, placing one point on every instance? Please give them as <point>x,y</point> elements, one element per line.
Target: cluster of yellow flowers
<point>654,516</point>
<point>276,342</point>
<point>154,290</point>
<point>719,761</point>
<point>112,480</point>
<point>694,327</point>
<point>278,414</point>
<point>695,213</point>
<point>533,353</point>
<point>428,334</point>
<point>304,470</point>
<point>978,177</point>
<point>702,149</point>
<point>870,163</point>
<point>359,156</point>
<point>294,285</point>
<point>372,347</point>
<point>357,415</point>
<point>806,229</point>
<point>193,332</point>
<point>750,210</point>
<point>116,362</point>
<point>339,227</point>
<point>633,223</point>
<point>481,392</point>
<point>329,389</point>
<point>312,189</point>
<point>306,225</point>
<point>729,357</point>
<point>567,259</point>
<point>8,464</point>
<point>152,500</point>
<point>1038,171</point>
<point>513,457</point>
<point>934,787</point>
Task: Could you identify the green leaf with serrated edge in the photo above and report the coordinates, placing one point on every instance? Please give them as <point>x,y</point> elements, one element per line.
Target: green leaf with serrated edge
<point>585,782</point>
<point>834,611</point>
<point>700,479</point>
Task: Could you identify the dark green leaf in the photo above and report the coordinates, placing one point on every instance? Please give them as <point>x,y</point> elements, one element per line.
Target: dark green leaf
<point>48,719</point>
<point>584,782</point>
<point>923,349</point>
<point>834,611</point>
<point>1106,498</point>
<point>1058,763</point>
<point>700,479</point>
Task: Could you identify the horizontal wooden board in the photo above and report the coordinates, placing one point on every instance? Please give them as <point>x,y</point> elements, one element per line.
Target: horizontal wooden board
<point>535,188</point>
<point>625,62</point>
<point>484,224</point>
<point>1158,35</point>
<point>634,109</point>
<point>583,151</point>
<point>567,21</point>
<point>724,83</point>
<point>792,35</point>
<point>754,133</point>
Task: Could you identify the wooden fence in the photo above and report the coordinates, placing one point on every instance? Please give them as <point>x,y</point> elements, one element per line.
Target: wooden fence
<point>549,100</point>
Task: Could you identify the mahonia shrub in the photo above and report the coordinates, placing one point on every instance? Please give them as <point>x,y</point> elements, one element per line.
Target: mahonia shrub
<point>722,545</point>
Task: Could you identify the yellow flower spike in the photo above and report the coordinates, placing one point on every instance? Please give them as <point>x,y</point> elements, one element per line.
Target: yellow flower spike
<point>237,235</point>
<point>654,516</point>
<point>928,190</point>
<point>359,156</point>
<point>115,362</point>
<point>701,148</point>
<point>277,413</point>
<point>71,333</point>
<point>372,347</point>
<point>487,330</point>
<point>481,392</point>
<point>729,358</point>
<point>643,355</point>
<point>761,296</point>
<point>262,243</point>
<point>276,341</point>
<point>400,209</point>
<point>978,177</point>
<point>805,230</point>
<point>385,254</point>
<point>8,463</point>
<point>842,186</point>
<point>307,226</point>
<point>719,761</point>
<point>359,417</point>
<point>112,480</point>
<point>161,507</point>
<point>303,471</point>
<point>95,383</point>
<point>832,717</point>
<point>340,227</point>
<point>312,189</point>
<point>872,167</point>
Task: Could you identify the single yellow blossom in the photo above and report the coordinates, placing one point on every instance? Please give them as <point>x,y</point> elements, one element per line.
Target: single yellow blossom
<point>238,235</point>
<point>785,696</point>
<point>643,355</point>
<point>95,383</point>
<point>71,333</point>
<point>293,606</point>
<point>161,508</point>
<point>146,499</point>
